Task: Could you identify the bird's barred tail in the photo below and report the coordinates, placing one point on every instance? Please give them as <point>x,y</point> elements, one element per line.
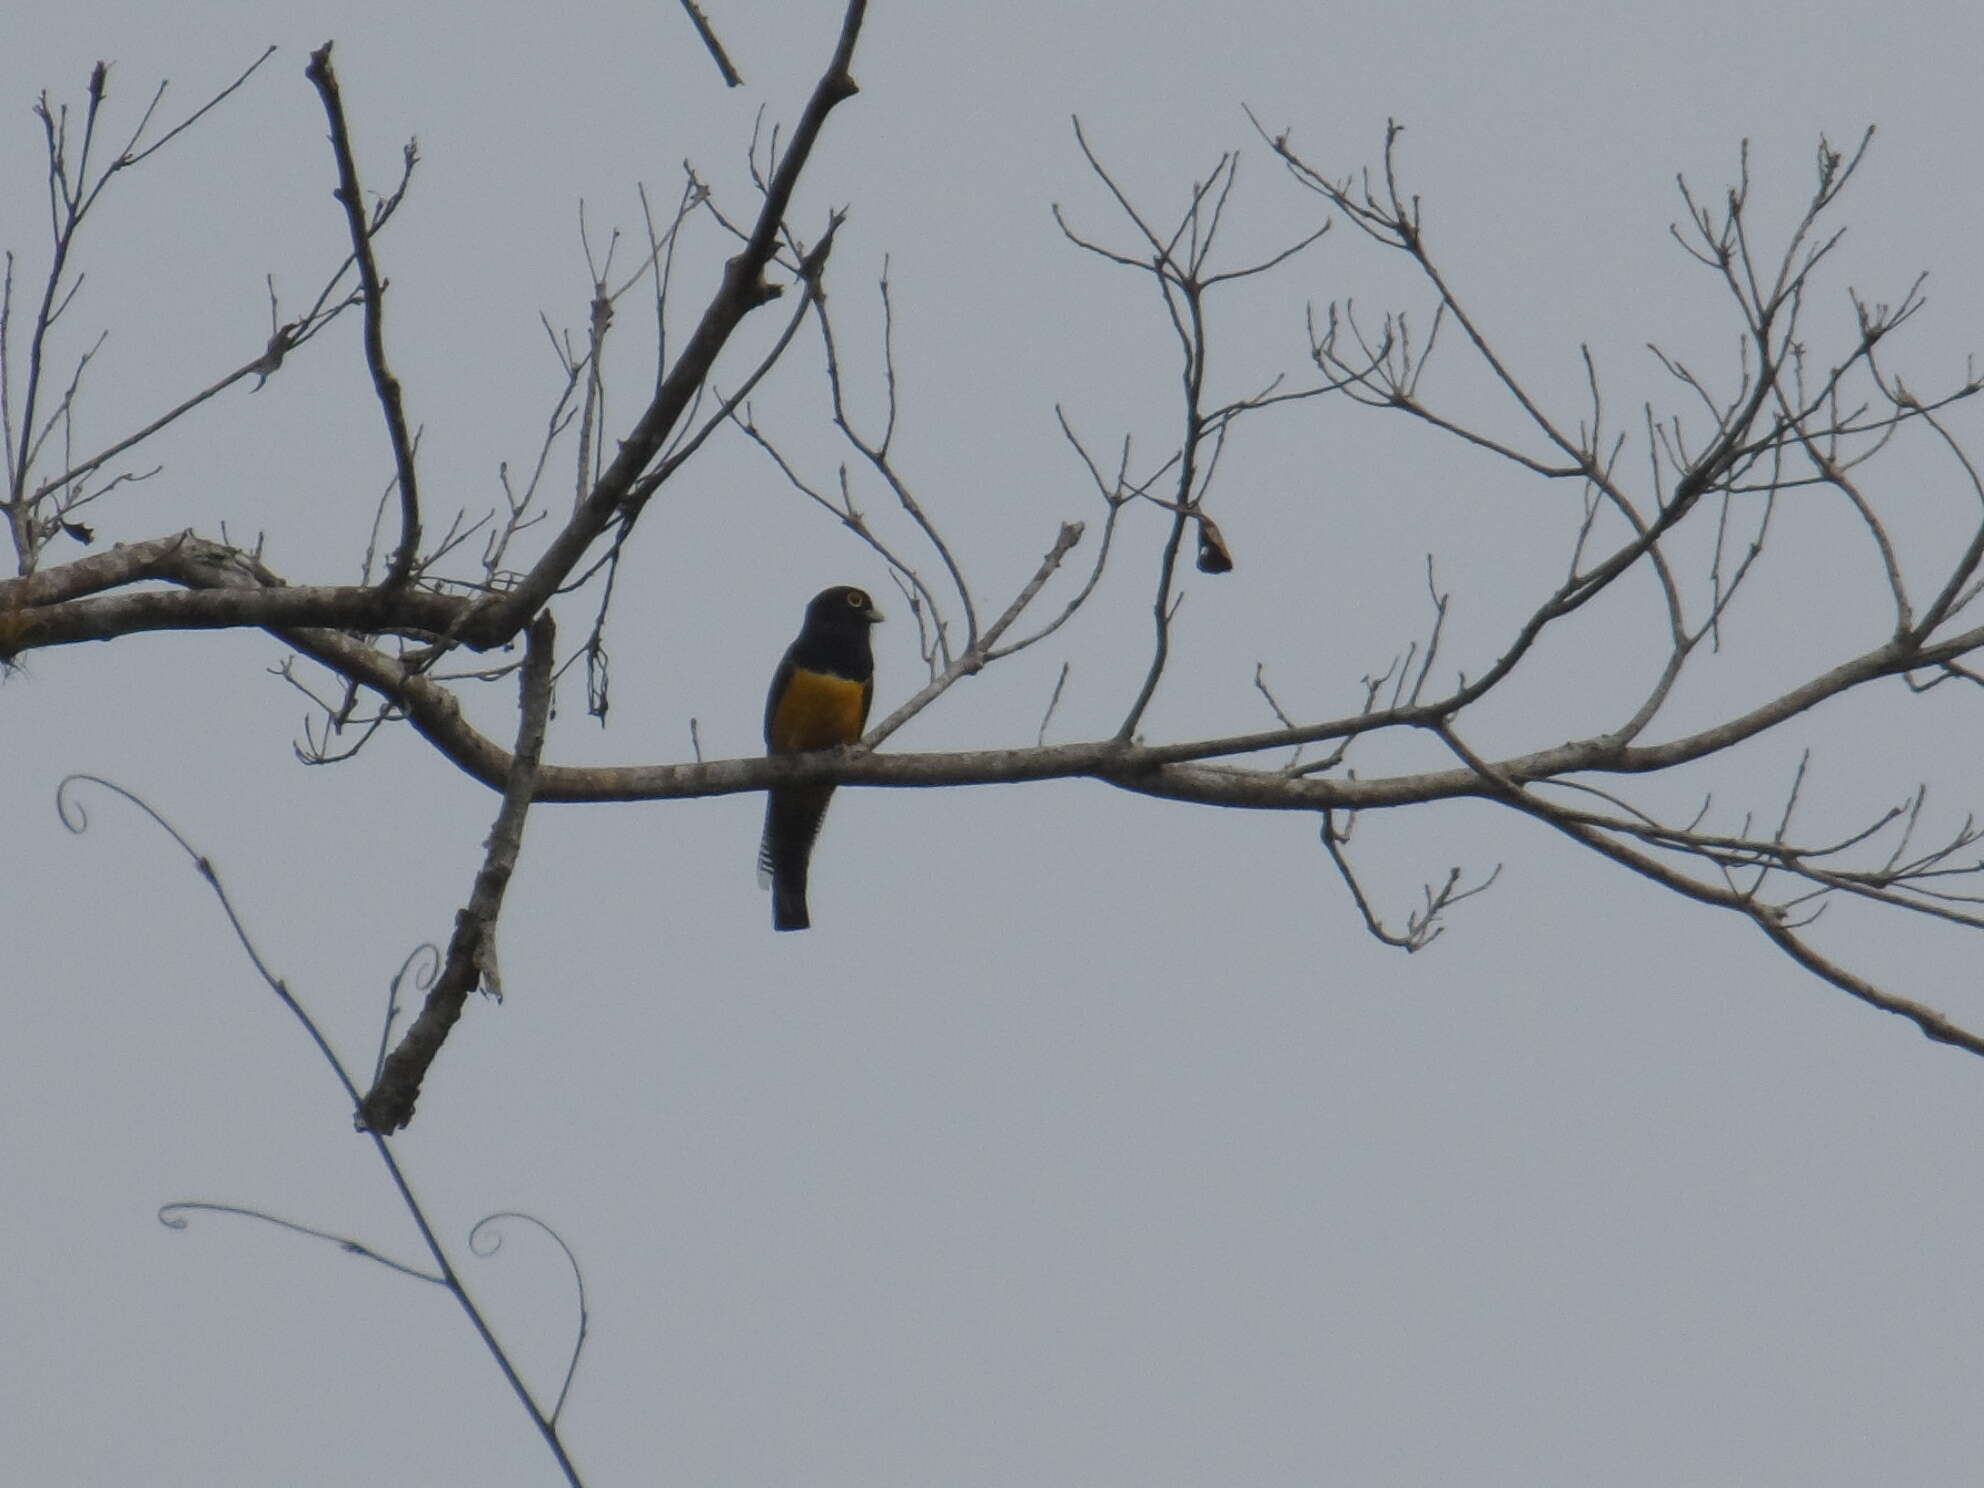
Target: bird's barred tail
<point>792,822</point>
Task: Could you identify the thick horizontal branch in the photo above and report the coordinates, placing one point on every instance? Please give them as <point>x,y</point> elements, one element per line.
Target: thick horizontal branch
<point>1167,771</point>
<point>113,568</point>
<point>106,616</point>
<point>221,587</point>
<point>1130,767</point>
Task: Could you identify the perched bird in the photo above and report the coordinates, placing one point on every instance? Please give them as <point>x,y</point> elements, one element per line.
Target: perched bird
<point>819,699</point>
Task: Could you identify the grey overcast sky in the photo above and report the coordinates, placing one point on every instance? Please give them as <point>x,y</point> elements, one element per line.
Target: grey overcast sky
<point>1087,1140</point>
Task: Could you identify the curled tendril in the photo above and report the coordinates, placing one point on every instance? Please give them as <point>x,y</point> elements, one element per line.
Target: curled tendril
<point>487,1238</point>
<point>176,1216</point>
<point>77,818</point>
<point>423,978</point>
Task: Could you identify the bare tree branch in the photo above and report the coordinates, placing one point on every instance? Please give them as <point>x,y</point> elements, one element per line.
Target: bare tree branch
<point>731,77</point>
<point>372,290</point>
<point>471,958</point>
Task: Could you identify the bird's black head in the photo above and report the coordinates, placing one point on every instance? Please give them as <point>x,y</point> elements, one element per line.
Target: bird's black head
<point>841,608</point>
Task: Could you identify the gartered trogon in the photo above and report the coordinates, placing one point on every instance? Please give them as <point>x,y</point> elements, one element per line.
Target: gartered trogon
<point>819,699</point>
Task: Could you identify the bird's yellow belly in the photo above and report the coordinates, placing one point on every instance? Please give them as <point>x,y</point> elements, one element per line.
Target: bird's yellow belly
<point>818,711</point>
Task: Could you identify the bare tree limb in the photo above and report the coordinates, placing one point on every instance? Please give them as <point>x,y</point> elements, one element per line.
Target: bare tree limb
<point>471,958</point>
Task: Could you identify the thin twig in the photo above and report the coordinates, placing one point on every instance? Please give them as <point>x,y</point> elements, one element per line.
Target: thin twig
<point>373,290</point>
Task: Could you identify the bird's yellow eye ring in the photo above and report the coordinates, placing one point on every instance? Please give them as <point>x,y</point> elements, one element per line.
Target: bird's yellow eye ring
<point>857,600</point>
